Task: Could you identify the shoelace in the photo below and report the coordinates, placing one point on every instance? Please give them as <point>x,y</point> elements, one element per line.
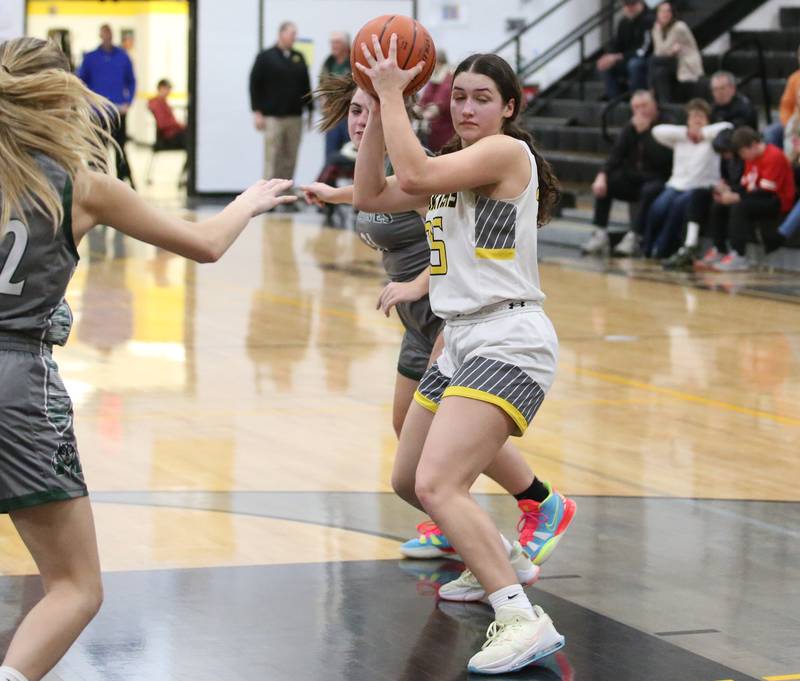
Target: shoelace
<point>428,527</point>
<point>527,525</point>
<point>499,632</point>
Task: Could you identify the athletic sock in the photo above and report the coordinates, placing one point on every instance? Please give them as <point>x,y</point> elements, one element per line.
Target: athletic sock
<point>692,232</point>
<point>510,596</point>
<point>11,674</point>
<point>536,492</point>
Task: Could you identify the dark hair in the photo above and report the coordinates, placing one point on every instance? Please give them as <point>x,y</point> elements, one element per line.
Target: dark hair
<point>666,28</point>
<point>503,76</point>
<point>723,142</point>
<point>744,137</point>
<point>163,83</point>
<point>699,104</point>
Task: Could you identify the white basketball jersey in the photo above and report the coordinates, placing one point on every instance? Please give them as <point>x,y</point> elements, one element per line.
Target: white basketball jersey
<point>483,251</point>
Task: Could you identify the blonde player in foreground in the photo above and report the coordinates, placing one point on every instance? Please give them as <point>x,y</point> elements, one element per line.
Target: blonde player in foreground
<point>51,129</point>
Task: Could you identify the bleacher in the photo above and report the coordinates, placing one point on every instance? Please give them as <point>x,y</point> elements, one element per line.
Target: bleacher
<point>575,128</point>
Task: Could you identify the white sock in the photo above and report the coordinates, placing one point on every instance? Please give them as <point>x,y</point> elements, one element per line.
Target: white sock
<point>510,597</point>
<point>506,543</point>
<point>692,232</point>
<point>10,674</point>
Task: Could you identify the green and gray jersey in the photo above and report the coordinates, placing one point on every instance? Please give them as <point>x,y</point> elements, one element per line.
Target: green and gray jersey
<point>36,265</point>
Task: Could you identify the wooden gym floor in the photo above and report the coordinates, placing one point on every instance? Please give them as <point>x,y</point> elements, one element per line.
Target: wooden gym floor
<point>234,423</point>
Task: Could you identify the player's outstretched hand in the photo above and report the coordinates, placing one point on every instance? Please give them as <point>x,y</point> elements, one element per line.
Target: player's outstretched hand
<point>399,292</point>
<point>318,193</point>
<point>264,195</point>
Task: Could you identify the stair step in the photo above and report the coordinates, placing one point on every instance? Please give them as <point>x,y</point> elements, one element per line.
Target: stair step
<point>743,62</point>
<point>550,121</point>
<point>778,40</point>
<point>575,138</point>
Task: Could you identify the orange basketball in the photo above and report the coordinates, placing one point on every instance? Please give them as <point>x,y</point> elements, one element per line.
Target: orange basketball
<point>414,44</point>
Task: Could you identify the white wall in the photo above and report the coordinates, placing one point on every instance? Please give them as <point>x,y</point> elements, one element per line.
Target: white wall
<point>229,150</point>
<point>12,19</point>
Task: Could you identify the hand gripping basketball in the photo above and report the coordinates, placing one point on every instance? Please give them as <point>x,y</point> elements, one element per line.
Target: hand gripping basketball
<point>383,71</point>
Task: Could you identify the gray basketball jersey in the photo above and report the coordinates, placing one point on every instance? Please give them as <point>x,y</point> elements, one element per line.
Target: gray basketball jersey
<point>36,264</point>
<point>401,239</point>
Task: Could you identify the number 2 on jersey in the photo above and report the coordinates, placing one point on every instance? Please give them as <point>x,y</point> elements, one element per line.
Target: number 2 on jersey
<point>16,228</point>
<point>438,250</point>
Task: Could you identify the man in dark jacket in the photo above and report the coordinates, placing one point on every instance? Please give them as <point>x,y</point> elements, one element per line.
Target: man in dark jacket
<point>636,170</point>
<point>624,66</point>
<point>729,105</point>
<point>337,64</point>
<point>279,91</point>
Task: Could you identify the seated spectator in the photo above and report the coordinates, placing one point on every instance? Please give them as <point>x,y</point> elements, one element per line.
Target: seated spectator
<point>434,105</point>
<point>710,206</point>
<point>624,67</point>
<point>635,171</point>
<point>695,165</point>
<point>791,141</point>
<point>730,105</point>
<point>170,133</point>
<point>769,192</point>
<point>676,61</point>
<point>774,133</point>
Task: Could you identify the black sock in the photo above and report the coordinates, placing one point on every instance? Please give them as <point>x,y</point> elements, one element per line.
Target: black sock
<point>536,492</point>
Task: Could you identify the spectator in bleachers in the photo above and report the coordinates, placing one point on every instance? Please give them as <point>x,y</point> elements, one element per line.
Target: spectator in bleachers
<point>730,105</point>
<point>337,64</point>
<point>636,170</point>
<point>710,206</point>
<point>624,66</point>
<point>434,105</point>
<point>774,133</point>
<point>170,132</point>
<point>791,140</point>
<point>676,63</point>
<point>769,192</point>
<point>695,166</point>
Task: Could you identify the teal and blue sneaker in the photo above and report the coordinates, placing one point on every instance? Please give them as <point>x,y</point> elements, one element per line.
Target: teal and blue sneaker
<point>543,524</point>
<point>430,543</point>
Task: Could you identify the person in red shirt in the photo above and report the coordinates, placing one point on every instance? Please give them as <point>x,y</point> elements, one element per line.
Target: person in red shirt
<point>171,133</point>
<point>768,193</point>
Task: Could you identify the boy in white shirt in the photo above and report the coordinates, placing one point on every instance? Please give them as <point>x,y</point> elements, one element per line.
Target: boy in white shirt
<point>695,165</point>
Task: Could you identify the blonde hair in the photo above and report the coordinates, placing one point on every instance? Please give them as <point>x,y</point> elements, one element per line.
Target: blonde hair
<point>45,109</point>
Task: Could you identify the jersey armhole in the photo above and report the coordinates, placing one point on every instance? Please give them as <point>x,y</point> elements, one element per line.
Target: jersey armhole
<point>66,224</point>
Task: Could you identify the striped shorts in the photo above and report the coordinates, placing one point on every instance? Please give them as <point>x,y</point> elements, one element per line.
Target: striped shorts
<point>507,358</point>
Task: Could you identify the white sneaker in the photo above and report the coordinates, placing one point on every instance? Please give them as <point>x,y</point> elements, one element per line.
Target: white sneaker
<point>516,639</point>
<point>468,588</point>
<point>597,243</point>
<point>629,246</point>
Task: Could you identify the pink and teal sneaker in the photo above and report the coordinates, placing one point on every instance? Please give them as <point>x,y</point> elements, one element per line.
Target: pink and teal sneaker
<point>543,524</point>
<point>430,543</point>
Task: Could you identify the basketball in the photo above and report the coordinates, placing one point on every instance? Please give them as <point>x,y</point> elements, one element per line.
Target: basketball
<point>414,44</point>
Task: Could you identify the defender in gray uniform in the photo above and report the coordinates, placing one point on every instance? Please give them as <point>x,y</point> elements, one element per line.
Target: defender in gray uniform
<point>38,453</point>
<point>400,237</point>
<point>52,131</point>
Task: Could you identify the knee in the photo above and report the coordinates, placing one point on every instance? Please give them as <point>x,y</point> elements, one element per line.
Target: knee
<point>403,486</point>
<point>431,490</point>
<point>91,598</point>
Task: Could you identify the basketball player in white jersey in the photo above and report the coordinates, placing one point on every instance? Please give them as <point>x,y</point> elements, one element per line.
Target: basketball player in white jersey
<point>487,195</point>
<point>51,129</point>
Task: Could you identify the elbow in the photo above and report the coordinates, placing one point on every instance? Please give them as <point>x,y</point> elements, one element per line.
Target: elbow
<point>410,183</point>
<point>207,253</point>
<point>363,203</point>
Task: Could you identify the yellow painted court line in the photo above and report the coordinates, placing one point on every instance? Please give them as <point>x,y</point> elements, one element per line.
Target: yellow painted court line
<point>786,677</point>
<point>686,397</point>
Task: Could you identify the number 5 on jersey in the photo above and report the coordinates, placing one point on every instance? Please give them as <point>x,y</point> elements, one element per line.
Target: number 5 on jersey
<point>438,250</point>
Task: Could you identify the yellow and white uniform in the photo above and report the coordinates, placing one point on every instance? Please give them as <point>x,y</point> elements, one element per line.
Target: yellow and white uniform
<point>500,347</point>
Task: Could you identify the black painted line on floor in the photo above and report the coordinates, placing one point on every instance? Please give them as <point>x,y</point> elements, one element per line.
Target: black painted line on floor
<point>688,632</point>
<point>560,577</point>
